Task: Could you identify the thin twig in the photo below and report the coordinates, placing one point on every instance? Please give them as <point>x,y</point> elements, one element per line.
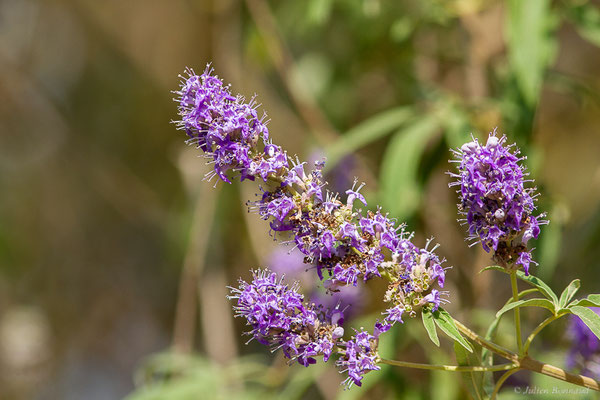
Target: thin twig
<point>456,368</point>
<point>501,351</point>
<point>501,381</point>
<point>515,293</point>
<point>529,363</point>
<point>537,330</point>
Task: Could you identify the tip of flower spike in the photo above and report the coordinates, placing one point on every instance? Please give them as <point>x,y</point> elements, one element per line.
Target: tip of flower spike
<point>497,206</point>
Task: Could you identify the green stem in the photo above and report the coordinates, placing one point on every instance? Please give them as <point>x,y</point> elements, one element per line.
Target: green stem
<point>509,355</point>
<point>537,330</point>
<point>515,292</point>
<point>500,382</point>
<point>456,368</point>
<point>529,363</point>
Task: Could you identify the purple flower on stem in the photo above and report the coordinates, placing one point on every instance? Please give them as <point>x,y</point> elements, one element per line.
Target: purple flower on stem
<point>341,242</point>
<point>278,316</point>
<point>497,206</point>
<point>359,357</point>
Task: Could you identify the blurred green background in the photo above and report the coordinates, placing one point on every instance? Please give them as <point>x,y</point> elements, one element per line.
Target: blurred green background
<point>115,255</point>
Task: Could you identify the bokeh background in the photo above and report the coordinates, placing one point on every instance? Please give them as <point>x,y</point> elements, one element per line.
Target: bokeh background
<point>115,255</point>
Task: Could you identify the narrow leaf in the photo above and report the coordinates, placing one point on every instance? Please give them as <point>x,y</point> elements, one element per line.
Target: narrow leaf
<point>531,43</point>
<point>589,317</point>
<point>569,292</point>
<point>400,189</point>
<point>541,285</point>
<point>445,322</point>
<point>429,325</point>
<point>366,132</point>
<point>527,303</point>
<point>593,300</point>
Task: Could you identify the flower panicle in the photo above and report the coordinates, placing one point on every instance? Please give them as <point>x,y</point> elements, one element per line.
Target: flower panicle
<point>345,244</point>
<point>279,317</point>
<point>497,206</point>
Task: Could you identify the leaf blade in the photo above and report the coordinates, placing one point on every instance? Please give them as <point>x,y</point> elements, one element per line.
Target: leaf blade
<point>593,300</point>
<point>531,44</point>
<point>527,303</point>
<point>541,285</point>
<point>429,325</point>
<point>569,292</point>
<point>400,191</point>
<point>589,317</point>
<point>366,132</point>
<point>445,322</point>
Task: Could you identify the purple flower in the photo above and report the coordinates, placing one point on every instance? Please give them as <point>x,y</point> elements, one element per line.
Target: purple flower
<point>359,357</point>
<point>341,242</point>
<point>497,206</point>
<point>433,298</point>
<point>354,195</point>
<point>226,128</point>
<point>585,349</point>
<point>394,314</point>
<point>278,316</point>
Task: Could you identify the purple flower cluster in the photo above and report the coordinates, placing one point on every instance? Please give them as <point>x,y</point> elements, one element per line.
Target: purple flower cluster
<point>359,356</point>
<point>227,129</point>
<point>413,272</point>
<point>279,317</point>
<point>493,198</point>
<point>585,351</point>
<point>343,243</point>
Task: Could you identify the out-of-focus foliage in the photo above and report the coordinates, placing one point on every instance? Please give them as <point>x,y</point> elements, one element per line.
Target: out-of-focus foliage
<point>103,207</point>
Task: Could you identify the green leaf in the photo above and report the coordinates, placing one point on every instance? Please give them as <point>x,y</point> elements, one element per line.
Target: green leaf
<point>429,325</point>
<point>527,303</point>
<point>473,380</point>
<point>569,292</point>
<point>541,285</point>
<point>366,132</point>
<point>400,190</point>
<point>531,43</point>
<point>589,317</point>
<point>593,300</point>
<point>445,322</point>
<point>586,19</point>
